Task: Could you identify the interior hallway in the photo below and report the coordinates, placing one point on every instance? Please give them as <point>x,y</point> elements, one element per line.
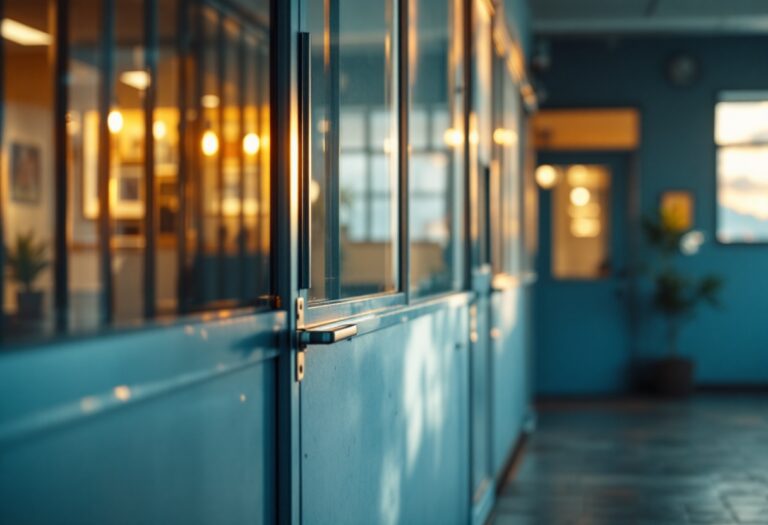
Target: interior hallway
<point>643,463</point>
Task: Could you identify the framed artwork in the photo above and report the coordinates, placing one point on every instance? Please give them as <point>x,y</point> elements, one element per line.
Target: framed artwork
<point>128,198</point>
<point>25,173</point>
<point>677,207</point>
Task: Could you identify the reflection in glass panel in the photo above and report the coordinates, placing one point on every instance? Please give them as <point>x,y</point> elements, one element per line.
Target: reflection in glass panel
<point>354,148</point>
<point>127,172</point>
<point>142,141</point>
<point>435,151</point>
<point>581,223</point>
<point>506,170</point>
<point>28,169</point>
<point>742,167</point>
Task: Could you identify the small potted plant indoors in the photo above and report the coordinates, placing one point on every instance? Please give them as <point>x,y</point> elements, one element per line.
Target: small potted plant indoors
<point>26,260</point>
<point>676,295</point>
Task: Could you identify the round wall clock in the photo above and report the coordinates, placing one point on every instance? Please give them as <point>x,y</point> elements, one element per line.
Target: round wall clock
<point>682,70</point>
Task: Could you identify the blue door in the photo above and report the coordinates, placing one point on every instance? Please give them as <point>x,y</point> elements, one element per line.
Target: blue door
<point>581,303</point>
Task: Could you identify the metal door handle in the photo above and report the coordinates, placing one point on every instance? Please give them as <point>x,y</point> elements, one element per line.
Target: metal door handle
<point>327,336</point>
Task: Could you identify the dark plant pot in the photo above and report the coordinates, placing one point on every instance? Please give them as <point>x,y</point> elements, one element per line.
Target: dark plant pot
<point>674,377</point>
<point>29,305</point>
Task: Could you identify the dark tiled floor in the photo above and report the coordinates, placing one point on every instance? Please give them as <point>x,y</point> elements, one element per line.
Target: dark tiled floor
<point>643,463</point>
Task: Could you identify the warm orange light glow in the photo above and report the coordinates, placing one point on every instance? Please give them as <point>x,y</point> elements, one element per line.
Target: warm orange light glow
<point>504,137</point>
<point>115,121</point>
<point>159,130</point>
<point>123,393</point>
<point>23,34</point>
<point>580,196</point>
<point>251,144</point>
<point>453,137</point>
<point>585,227</point>
<point>546,176</point>
<point>210,143</point>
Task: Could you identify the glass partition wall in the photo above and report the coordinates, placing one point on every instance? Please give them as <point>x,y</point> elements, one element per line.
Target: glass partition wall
<point>135,161</point>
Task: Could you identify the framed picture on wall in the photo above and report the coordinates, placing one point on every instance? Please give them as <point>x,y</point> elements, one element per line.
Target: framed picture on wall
<point>128,201</point>
<point>677,207</point>
<point>25,173</point>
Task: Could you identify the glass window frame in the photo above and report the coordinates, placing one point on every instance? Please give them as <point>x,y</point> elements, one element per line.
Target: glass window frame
<point>733,96</point>
<point>106,45</point>
<point>319,311</point>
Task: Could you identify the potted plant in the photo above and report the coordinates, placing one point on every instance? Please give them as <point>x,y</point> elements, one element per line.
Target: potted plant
<point>676,296</point>
<point>26,260</point>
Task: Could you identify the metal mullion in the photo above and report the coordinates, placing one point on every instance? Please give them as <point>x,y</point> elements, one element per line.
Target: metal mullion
<point>241,236</point>
<point>221,72</point>
<point>104,160</point>
<point>198,156</point>
<point>2,197</point>
<point>333,250</point>
<point>404,102</point>
<point>61,103</point>
<point>150,100</point>
<point>263,286</point>
<point>368,153</point>
<point>182,51</point>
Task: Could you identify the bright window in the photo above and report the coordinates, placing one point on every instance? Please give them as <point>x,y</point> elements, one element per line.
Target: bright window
<point>741,135</point>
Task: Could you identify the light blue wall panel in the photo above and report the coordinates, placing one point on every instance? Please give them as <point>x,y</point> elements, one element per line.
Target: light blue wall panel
<point>385,433</point>
<point>510,373</point>
<point>164,426</point>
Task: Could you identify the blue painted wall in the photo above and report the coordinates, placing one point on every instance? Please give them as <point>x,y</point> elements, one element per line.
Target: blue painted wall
<point>175,425</point>
<point>729,346</point>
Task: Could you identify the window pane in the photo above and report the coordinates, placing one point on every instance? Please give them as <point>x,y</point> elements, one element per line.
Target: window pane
<point>742,118</point>
<point>581,223</point>
<point>188,216</point>
<point>436,145</point>
<point>354,148</point>
<point>29,172</point>
<point>742,194</point>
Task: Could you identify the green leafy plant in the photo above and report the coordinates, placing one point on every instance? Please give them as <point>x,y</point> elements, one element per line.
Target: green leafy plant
<point>26,260</point>
<point>676,295</point>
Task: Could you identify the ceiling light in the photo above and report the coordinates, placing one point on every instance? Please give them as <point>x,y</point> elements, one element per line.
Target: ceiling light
<point>23,34</point>
<point>210,101</point>
<point>136,79</point>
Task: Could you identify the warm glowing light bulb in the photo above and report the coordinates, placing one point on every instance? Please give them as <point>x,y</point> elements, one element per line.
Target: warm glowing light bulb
<point>115,121</point>
<point>453,137</point>
<point>159,130</point>
<point>585,228</point>
<point>251,144</point>
<point>504,137</point>
<point>546,176</point>
<point>210,143</point>
<point>580,196</point>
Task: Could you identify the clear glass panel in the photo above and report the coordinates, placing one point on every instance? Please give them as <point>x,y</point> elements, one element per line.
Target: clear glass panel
<point>581,225</point>
<point>127,175</point>
<point>84,280</point>
<point>481,125</point>
<point>742,194</point>
<point>165,134</point>
<point>354,148</point>
<point>507,184</point>
<point>435,145</point>
<point>28,169</point>
<point>210,191</point>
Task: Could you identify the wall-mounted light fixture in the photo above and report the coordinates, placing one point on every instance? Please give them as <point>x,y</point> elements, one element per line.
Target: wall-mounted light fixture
<point>547,176</point>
